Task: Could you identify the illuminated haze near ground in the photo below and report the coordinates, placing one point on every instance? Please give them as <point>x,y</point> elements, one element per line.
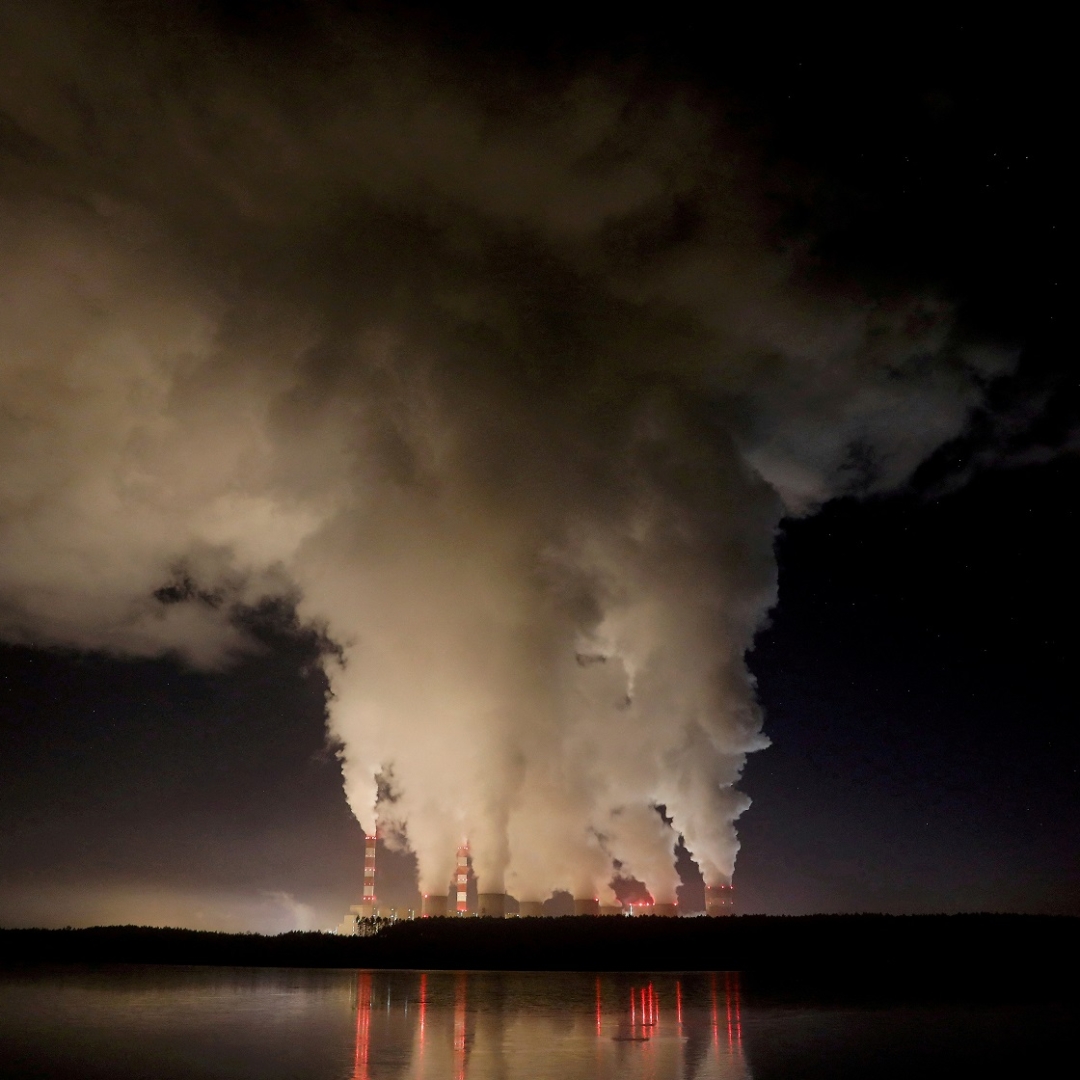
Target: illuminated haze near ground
<point>505,383</point>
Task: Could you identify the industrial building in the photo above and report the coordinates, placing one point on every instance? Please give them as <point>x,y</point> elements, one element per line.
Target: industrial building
<point>369,915</point>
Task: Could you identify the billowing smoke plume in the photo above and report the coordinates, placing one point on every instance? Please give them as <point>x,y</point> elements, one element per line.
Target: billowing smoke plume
<point>505,384</point>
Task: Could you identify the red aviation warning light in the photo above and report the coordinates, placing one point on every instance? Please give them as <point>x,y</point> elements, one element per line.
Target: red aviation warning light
<point>719,900</point>
<point>461,879</point>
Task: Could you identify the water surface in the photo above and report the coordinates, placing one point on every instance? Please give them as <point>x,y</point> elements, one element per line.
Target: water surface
<point>166,1023</point>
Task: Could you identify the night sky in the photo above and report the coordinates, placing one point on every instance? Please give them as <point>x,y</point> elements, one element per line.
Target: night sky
<point>917,674</point>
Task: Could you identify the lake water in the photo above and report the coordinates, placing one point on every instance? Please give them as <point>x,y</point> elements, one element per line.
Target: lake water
<point>167,1023</point>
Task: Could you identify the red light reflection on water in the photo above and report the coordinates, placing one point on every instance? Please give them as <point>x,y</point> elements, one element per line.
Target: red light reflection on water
<point>650,1016</point>
<point>645,1023</point>
<point>733,1008</point>
<point>715,1021</point>
<point>735,996</point>
<point>422,1025</point>
<point>644,1003</point>
<point>459,1028</point>
<point>727,1002</point>
<point>363,1027</point>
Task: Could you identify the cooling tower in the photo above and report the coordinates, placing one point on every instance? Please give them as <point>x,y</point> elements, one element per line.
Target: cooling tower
<point>719,900</point>
<point>611,909</point>
<point>530,909</point>
<point>433,907</point>
<point>491,905</point>
<point>587,906</point>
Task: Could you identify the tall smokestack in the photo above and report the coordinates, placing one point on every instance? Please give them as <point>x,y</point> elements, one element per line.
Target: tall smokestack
<point>368,899</point>
<point>462,879</point>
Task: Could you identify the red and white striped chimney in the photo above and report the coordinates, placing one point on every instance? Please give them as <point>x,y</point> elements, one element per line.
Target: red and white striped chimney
<point>369,871</point>
<point>461,879</point>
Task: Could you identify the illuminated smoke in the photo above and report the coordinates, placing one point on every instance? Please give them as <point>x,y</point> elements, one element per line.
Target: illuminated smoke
<point>507,388</point>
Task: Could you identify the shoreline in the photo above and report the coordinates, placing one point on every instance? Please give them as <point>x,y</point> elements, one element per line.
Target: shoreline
<point>848,957</point>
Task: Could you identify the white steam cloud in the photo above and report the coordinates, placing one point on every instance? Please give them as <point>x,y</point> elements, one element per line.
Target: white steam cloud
<point>506,385</point>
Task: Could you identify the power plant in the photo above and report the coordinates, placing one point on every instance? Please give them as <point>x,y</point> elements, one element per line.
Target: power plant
<point>369,916</point>
<point>369,913</point>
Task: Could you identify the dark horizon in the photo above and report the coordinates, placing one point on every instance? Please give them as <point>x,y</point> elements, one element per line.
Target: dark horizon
<point>848,960</point>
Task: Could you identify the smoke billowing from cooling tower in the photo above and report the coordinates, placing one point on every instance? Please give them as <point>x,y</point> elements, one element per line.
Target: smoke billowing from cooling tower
<point>504,383</point>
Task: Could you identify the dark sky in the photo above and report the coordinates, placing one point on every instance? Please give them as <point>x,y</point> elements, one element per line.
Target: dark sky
<point>917,673</point>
